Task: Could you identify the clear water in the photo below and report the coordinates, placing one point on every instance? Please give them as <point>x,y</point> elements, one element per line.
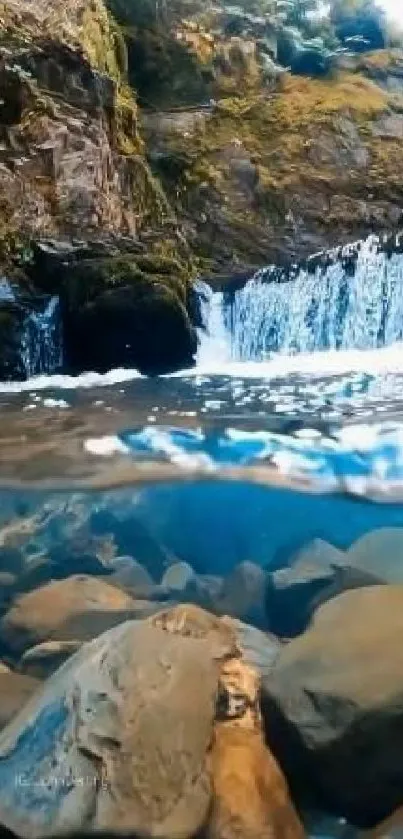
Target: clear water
<point>289,429</point>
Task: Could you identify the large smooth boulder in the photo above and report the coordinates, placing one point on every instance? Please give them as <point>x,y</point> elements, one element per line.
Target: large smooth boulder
<point>77,608</point>
<point>153,727</point>
<point>333,706</point>
<point>117,739</point>
<point>178,576</point>
<point>317,573</point>
<point>379,552</point>
<point>131,575</point>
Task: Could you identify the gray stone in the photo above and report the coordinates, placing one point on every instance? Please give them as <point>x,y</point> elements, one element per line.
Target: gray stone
<point>333,706</point>
<point>317,573</point>
<point>178,576</point>
<point>244,593</point>
<point>380,552</point>
<point>61,610</point>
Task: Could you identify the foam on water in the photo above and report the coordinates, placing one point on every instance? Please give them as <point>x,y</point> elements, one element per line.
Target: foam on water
<point>355,458</point>
<point>384,361</point>
<point>63,382</point>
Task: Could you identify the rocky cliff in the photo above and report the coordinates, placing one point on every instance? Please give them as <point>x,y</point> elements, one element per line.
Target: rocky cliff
<point>150,144</point>
<point>277,175</point>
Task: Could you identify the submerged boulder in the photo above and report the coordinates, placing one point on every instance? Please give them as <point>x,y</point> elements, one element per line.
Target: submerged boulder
<point>77,608</point>
<point>333,706</point>
<point>117,739</point>
<point>243,594</point>
<point>317,573</point>
<point>178,576</point>
<point>153,727</point>
<point>380,552</point>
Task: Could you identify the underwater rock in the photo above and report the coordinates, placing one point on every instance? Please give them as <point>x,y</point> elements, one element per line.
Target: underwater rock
<point>259,649</point>
<point>59,609</point>
<point>294,593</point>
<point>139,731</point>
<point>204,590</point>
<point>250,794</point>
<point>333,706</point>
<point>131,576</point>
<point>380,552</point>
<point>243,594</point>
<point>15,690</point>
<point>178,576</point>
<point>123,728</point>
<point>43,659</point>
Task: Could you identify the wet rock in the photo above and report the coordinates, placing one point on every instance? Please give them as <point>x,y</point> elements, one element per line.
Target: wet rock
<point>7,580</point>
<point>259,649</point>
<point>132,713</point>
<point>161,719</point>
<point>204,590</point>
<point>43,659</point>
<point>250,793</point>
<point>333,706</point>
<point>59,609</point>
<point>15,690</point>
<point>380,552</point>
<point>178,576</point>
<point>140,325</point>
<point>132,538</point>
<point>322,553</point>
<point>194,622</point>
<point>131,576</point>
<point>243,594</point>
<point>295,592</point>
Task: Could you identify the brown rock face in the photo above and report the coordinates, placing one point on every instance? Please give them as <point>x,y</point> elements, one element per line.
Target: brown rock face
<point>333,705</point>
<point>71,159</point>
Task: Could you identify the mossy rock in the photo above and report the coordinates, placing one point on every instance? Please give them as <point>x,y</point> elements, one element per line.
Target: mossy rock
<point>12,317</point>
<point>142,324</point>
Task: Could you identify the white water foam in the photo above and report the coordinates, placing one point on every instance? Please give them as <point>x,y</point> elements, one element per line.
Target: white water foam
<point>61,382</point>
<point>384,361</point>
<point>357,459</point>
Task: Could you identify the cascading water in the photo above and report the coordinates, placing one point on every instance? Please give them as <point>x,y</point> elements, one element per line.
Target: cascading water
<point>348,304</point>
<point>30,333</point>
<point>41,342</point>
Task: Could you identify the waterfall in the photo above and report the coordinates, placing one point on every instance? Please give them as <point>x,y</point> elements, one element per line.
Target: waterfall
<point>353,299</point>
<point>41,341</point>
<point>30,333</point>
